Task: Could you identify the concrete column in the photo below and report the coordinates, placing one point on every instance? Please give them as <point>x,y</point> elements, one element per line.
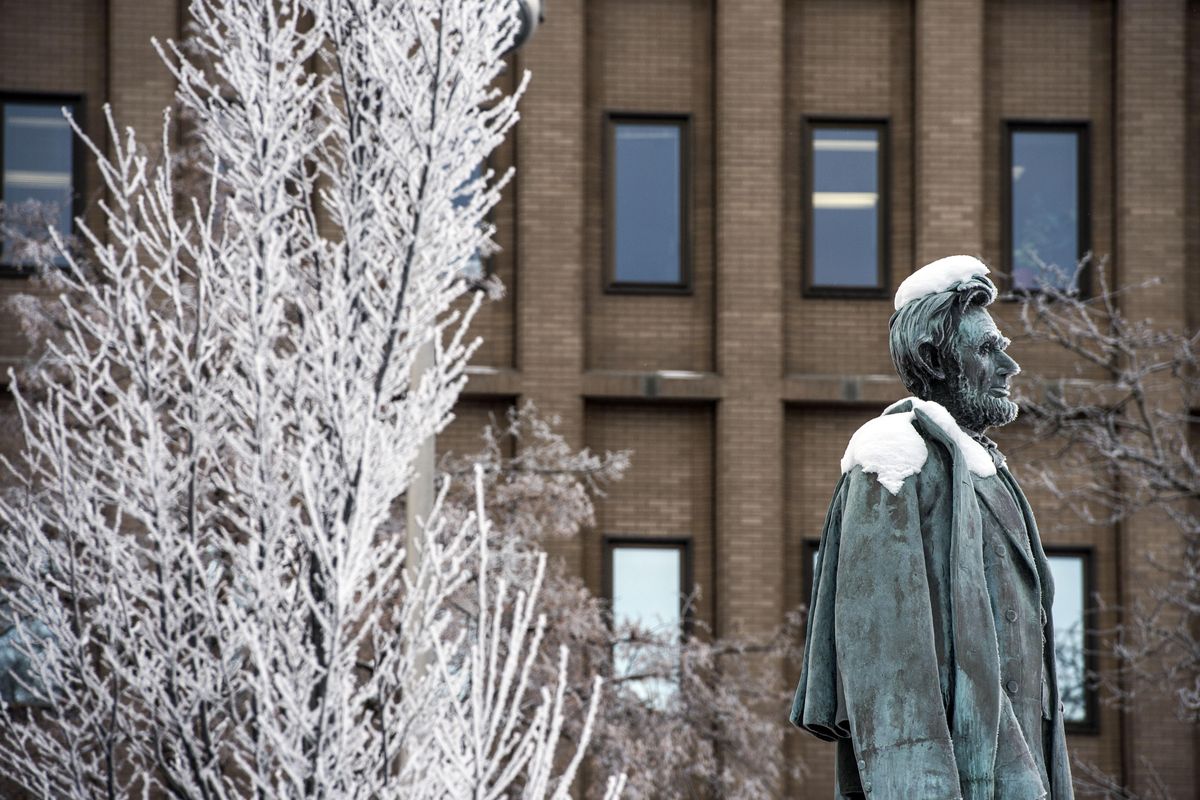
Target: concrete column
<point>749,214</point>
<point>949,118</point>
<point>549,193</point>
<point>1151,142</point>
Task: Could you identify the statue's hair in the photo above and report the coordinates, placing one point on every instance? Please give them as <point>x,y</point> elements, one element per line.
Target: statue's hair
<point>933,320</point>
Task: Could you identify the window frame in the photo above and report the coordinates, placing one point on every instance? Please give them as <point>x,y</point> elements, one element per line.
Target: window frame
<point>882,287</point>
<point>685,284</point>
<point>487,267</point>
<point>76,102</point>
<point>1083,194</point>
<point>686,575</point>
<point>1090,724</point>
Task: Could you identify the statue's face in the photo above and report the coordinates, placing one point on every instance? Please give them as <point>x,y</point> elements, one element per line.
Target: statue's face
<point>979,396</point>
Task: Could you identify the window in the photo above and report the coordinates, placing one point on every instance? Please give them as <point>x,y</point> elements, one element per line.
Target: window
<point>646,584</point>
<point>845,208</point>
<point>1070,571</point>
<point>40,163</point>
<point>647,190</point>
<point>1047,205</point>
<point>473,269</point>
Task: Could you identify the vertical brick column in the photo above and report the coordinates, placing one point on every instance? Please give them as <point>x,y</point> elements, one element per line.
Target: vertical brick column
<point>139,86</point>
<point>1151,141</point>
<point>549,193</point>
<point>749,214</point>
<point>949,128</point>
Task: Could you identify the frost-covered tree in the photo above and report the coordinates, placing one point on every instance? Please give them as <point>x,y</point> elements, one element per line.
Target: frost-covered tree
<point>203,588</point>
<point>684,714</point>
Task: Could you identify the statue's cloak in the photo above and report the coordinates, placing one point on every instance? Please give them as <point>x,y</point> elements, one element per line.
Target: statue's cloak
<point>901,663</point>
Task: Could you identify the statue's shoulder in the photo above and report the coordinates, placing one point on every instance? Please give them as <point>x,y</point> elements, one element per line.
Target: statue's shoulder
<point>890,447</point>
<point>897,444</point>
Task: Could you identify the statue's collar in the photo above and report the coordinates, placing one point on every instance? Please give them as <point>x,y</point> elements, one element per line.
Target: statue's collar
<point>982,454</point>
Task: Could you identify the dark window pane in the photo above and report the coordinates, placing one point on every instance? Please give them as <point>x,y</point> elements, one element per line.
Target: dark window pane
<point>1069,629</point>
<point>845,207</point>
<point>646,596</point>
<point>37,161</point>
<point>1045,208</point>
<point>647,204</point>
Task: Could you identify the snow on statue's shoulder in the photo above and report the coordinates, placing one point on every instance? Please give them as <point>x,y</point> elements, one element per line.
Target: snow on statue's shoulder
<point>890,447</point>
<point>938,276</point>
<point>893,449</point>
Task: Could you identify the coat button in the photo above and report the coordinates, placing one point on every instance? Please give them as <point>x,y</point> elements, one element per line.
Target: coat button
<point>867,786</point>
<point>1011,615</point>
<point>1011,686</point>
<point>999,550</point>
<point>861,765</point>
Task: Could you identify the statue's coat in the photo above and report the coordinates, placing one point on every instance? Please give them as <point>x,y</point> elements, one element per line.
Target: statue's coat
<point>902,664</point>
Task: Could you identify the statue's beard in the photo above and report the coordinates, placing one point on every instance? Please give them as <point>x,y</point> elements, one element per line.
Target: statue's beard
<point>977,411</point>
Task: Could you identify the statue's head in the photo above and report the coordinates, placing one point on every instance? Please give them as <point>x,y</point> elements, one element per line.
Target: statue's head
<point>946,346</point>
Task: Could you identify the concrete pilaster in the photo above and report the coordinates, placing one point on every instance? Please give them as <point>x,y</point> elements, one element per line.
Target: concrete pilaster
<point>139,85</point>
<point>749,99</point>
<point>1151,143</point>
<point>949,128</point>
<point>549,271</point>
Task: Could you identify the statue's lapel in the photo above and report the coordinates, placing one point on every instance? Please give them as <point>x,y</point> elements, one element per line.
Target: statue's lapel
<point>1035,538</point>
<point>1007,514</point>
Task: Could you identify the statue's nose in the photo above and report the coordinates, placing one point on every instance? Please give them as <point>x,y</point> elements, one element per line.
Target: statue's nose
<point>1007,365</point>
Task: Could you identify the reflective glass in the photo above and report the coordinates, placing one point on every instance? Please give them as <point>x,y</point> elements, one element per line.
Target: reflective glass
<point>647,204</point>
<point>37,161</point>
<point>845,207</point>
<point>646,596</point>
<point>1069,630</point>
<point>473,268</point>
<point>1045,208</point>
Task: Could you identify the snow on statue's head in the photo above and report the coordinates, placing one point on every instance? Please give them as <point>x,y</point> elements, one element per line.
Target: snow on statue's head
<point>946,346</point>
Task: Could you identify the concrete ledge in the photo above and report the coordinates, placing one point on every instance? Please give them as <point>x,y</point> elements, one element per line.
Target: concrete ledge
<point>660,385</point>
<point>492,382</point>
<point>866,390</point>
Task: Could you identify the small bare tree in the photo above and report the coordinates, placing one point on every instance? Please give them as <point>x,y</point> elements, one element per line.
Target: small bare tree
<point>686,716</point>
<point>203,591</point>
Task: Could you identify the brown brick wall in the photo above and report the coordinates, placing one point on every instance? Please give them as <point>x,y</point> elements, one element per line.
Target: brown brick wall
<point>1151,149</point>
<point>654,57</point>
<point>814,439</point>
<point>1026,43</point>
<point>720,458</point>
<point>668,490</point>
<point>949,128</point>
<point>66,56</point>
<point>749,92</point>
<point>550,214</point>
<point>463,436</point>
<point>852,60</point>
<point>1192,198</point>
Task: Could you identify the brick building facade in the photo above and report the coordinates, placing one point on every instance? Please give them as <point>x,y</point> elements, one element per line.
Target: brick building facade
<point>738,388</point>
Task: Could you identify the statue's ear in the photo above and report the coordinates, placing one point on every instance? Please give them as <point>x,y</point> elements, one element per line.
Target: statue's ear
<point>931,360</point>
